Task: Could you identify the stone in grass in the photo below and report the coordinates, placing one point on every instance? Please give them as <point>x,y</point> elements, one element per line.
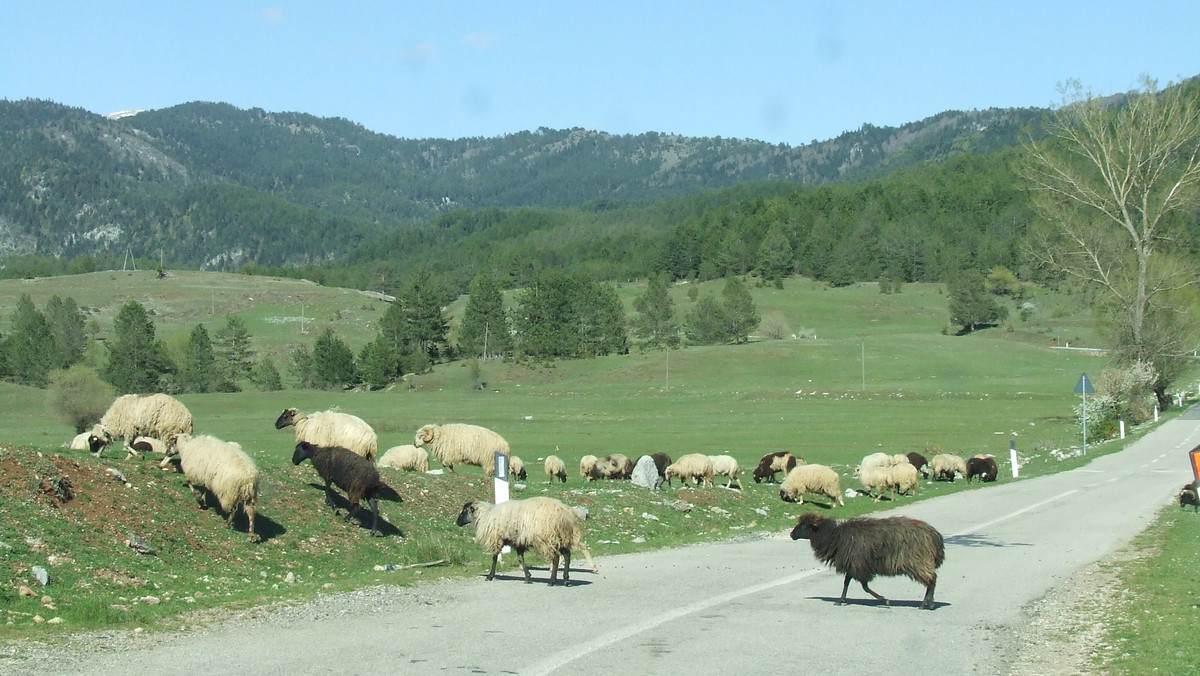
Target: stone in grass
<point>645,473</point>
<point>40,575</point>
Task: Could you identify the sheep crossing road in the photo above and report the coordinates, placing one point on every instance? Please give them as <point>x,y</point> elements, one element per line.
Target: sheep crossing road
<point>760,605</point>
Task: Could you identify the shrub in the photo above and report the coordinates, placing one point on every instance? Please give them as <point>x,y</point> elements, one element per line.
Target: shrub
<point>78,396</point>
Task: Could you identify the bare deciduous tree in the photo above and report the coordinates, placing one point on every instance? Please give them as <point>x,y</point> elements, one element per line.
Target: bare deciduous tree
<point>1112,182</point>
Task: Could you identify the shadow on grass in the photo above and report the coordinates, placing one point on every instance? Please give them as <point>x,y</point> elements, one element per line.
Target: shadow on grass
<point>341,507</point>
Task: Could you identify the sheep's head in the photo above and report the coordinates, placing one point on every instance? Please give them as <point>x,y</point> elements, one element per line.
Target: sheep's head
<point>304,451</point>
<point>424,436</point>
<point>98,439</point>
<point>809,523</point>
<point>288,417</point>
<point>469,513</point>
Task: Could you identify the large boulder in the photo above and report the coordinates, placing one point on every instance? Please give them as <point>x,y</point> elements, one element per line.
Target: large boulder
<point>645,473</point>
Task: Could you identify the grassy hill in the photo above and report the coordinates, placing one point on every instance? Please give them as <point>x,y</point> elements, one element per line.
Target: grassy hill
<point>873,372</point>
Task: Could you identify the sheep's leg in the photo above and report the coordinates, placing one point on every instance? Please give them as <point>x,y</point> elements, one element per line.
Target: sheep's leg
<point>524,567</point>
<point>254,537</point>
<point>492,573</point>
<point>927,602</point>
<point>374,517</point>
<point>872,593</point>
<point>566,567</point>
<point>328,494</point>
<point>554,570</point>
<point>845,586</point>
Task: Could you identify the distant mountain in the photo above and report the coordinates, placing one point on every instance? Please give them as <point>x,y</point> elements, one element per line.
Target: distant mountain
<point>211,185</point>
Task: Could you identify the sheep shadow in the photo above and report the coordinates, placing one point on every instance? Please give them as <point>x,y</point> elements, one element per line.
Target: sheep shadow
<point>264,526</point>
<point>976,540</point>
<point>895,603</point>
<point>341,506</point>
<point>518,576</point>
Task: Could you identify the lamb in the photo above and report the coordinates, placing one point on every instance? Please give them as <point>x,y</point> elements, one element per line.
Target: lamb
<point>982,466</point>
<point>817,479</point>
<point>461,444</point>
<point>540,523</point>
<point>555,468</point>
<point>348,471</point>
<point>586,463</point>
<point>862,547</point>
<point>1188,496</point>
<point>407,458</point>
<point>771,464</point>
<point>332,428</point>
<point>612,466</point>
<point>726,466</point>
<point>516,468</point>
<point>132,415</point>
<point>80,442</point>
<point>694,467</point>
<point>222,467</point>
<point>944,466</point>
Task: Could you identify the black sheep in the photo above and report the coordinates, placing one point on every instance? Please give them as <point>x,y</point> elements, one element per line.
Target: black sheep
<point>661,462</point>
<point>347,470</point>
<point>862,547</point>
<point>1188,496</point>
<point>982,467</point>
<point>771,464</point>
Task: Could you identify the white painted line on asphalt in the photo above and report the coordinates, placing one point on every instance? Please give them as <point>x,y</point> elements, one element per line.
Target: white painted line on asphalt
<point>1015,514</point>
<point>565,657</point>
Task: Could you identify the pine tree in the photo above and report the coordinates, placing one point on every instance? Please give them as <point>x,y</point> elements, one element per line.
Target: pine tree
<point>233,350</point>
<point>136,361</point>
<point>377,365</point>
<point>484,330</point>
<point>265,376</point>
<point>29,347</point>
<point>971,305</point>
<point>655,322</point>
<point>422,304</point>
<point>775,257</point>
<point>706,323</point>
<point>67,324</point>
<point>332,362</point>
<point>197,371</point>
<point>740,313</point>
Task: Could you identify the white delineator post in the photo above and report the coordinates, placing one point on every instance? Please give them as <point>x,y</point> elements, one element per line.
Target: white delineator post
<point>1012,456</point>
<point>501,483</point>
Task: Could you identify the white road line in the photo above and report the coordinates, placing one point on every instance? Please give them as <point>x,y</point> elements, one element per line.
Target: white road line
<point>1015,514</point>
<point>564,657</point>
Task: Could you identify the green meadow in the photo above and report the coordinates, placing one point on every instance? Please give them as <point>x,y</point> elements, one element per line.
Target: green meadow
<point>866,372</point>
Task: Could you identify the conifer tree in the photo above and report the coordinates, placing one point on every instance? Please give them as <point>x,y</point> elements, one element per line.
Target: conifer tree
<point>655,322</point>
<point>485,328</point>
<point>29,347</point>
<point>197,370</point>
<point>137,361</point>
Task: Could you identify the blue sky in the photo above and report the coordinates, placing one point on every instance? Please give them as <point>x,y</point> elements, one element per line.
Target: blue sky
<point>785,72</point>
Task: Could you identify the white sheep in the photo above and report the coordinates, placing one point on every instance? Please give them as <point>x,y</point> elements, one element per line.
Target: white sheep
<point>80,441</point>
<point>586,463</point>
<point>817,479</point>
<point>462,444</point>
<point>875,474</point>
<point>695,467</point>
<point>903,478</point>
<point>944,466</point>
<point>332,428</point>
<point>516,468</point>
<point>222,467</point>
<point>726,466</point>
<point>540,523</point>
<point>555,468</point>
<point>152,415</point>
<point>407,458</point>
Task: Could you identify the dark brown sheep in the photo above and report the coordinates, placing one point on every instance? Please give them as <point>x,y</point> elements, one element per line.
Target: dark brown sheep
<point>917,460</point>
<point>348,471</point>
<point>862,548</point>
<point>771,464</point>
<point>661,462</point>
<point>983,467</point>
<point>1188,496</point>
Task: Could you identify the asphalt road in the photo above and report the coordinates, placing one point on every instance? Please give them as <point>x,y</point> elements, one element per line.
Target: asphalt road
<point>752,606</point>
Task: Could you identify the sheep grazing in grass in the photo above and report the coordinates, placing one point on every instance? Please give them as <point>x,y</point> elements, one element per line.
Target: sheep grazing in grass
<point>222,468</point>
<point>726,466</point>
<point>516,468</point>
<point>874,473</point>
<point>586,463</point>
<point>696,468</point>
<point>817,479</point>
<point>612,466</point>
<point>406,458</point>
<point>462,444</point>
<point>982,466</point>
<point>917,460</point>
<point>540,523</point>
<point>80,442</point>
<point>903,478</point>
<point>661,462</point>
<point>332,428</point>
<point>555,468</point>
<point>863,548</point>
<point>152,415</point>
<point>1188,496</point>
<point>348,471</point>
<point>945,466</point>
<point>771,464</point>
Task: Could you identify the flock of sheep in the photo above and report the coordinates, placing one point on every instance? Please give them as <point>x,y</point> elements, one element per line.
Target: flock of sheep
<point>343,449</point>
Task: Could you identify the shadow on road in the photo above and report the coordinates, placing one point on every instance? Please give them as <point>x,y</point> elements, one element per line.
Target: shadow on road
<point>895,603</point>
<point>976,540</point>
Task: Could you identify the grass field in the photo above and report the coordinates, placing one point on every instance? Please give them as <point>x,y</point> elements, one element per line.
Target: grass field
<point>877,373</point>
